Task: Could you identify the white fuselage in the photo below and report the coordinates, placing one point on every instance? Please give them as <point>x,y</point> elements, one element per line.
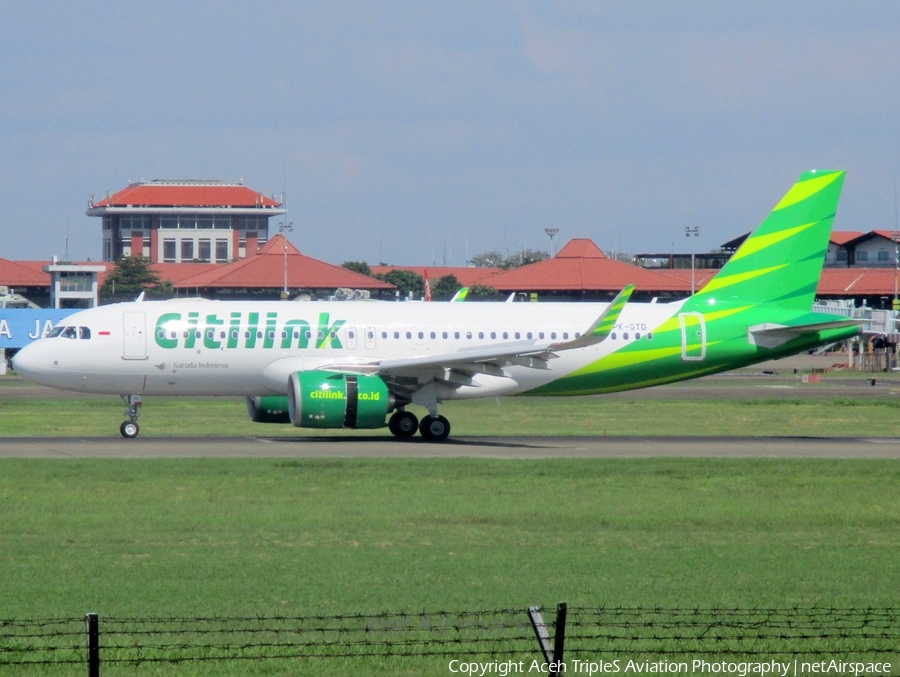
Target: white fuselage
<point>201,347</point>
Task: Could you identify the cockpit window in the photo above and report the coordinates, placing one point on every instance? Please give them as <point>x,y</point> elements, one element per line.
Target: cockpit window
<point>84,332</point>
<point>56,331</point>
<point>70,333</point>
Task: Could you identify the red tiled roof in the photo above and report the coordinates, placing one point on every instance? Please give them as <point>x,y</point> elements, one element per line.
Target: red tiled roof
<point>465,275</point>
<point>581,248</point>
<point>582,266</point>
<point>842,237</point>
<point>187,195</point>
<point>265,270</point>
<point>856,281</point>
<point>24,273</point>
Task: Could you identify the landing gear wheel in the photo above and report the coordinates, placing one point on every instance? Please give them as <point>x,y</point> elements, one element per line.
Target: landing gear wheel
<point>434,428</point>
<point>129,429</point>
<point>403,424</point>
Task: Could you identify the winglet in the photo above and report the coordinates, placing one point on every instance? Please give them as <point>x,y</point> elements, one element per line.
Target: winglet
<point>603,325</point>
<point>460,295</point>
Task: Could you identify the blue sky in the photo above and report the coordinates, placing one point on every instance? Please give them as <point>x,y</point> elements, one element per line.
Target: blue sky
<point>417,132</point>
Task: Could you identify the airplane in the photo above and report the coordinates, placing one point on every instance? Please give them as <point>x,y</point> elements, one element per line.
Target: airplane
<point>360,364</point>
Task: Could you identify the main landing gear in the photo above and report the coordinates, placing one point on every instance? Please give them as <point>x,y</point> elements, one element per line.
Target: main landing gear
<point>130,427</point>
<point>433,428</point>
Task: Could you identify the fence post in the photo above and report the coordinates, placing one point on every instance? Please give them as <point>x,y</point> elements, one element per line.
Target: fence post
<point>92,625</point>
<point>559,636</point>
<point>552,655</point>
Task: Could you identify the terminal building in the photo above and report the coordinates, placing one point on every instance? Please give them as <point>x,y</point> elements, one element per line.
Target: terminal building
<point>184,221</point>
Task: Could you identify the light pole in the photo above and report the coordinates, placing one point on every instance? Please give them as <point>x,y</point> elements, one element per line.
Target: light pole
<point>691,232</point>
<point>285,227</point>
<point>552,233</point>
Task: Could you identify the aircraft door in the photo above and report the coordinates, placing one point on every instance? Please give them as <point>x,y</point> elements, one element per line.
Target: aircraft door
<point>371,343</point>
<point>693,336</point>
<point>134,331</point>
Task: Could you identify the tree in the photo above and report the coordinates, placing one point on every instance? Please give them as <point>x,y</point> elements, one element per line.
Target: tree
<point>497,260</point>
<point>360,267</point>
<point>406,281</point>
<point>445,287</point>
<point>133,274</point>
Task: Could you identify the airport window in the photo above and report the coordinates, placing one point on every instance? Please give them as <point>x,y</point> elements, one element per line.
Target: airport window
<point>221,250</point>
<point>204,222</point>
<point>221,222</point>
<point>168,221</point>
<point>862,256</point>
<point>203,248</point>
<point>169,251</point>
<point>187,221</point>
<point>842,255</point>
<point>107,222</point>
<point>882,255</point>
<point>187,250</point>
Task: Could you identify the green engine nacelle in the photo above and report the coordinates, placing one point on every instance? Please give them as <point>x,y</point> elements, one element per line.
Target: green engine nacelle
<point>268,409</point>
<point>325,399</point>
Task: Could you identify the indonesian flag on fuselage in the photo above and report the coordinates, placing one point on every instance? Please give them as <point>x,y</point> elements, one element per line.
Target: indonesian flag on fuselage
<point>427,286</point>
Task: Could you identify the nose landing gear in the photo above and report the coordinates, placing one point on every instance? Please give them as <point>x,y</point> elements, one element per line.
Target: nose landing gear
<point>130,428</point>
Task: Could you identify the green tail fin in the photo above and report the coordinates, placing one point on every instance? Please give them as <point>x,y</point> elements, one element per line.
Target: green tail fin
<point>781,261</point>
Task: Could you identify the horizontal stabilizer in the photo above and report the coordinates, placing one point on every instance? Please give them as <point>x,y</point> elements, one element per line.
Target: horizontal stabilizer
<point>771,335</point>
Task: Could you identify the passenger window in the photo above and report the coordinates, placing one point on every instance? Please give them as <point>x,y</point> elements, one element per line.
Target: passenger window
<point>409,334</point>
<point>553,335</point>
<point>493,334</point>
<point>649,335</point>
<point>506,334</point>
<point>284,334</point>
<point>613,336</point>
<point>271,334</point>
<point>468,334</point>
<point>384,334</point>
<point>445,334</point>
<point>565,335</point>
<point>351,334</point>
<point>528,335</point>
<point>625,336</point>
<point>518,335</point>
<point>541,335</point>
<point>456,334</point>
<point>433,335</point>
<point>234,334</point>
<point>481,334</point>
<point>421,334</point>
<point>637,334</point>
<point>161,334</point>
<point>396,334</point>
<point>84,332</point>
<point>372,335</point>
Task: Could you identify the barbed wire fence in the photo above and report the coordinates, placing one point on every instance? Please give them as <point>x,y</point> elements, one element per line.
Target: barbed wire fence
<point>638,633</point>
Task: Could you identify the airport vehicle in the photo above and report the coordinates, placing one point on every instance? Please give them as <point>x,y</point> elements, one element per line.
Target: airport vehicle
<point>359,364</point>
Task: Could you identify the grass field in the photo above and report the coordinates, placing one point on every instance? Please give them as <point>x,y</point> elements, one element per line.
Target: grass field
<point>205,417</point>
<point>218,537</point>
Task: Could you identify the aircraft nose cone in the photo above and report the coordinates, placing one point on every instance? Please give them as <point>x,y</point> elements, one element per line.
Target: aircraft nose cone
<point>26,362</point>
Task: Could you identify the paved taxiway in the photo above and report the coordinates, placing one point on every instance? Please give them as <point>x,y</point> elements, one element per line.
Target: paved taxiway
<point>480,447</point>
